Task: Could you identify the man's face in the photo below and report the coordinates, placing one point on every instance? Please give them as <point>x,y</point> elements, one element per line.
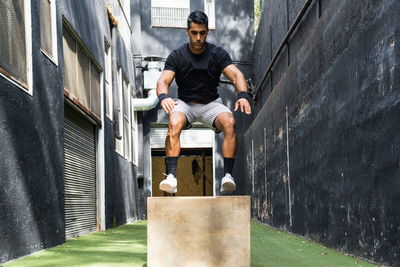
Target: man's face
<point>197,36</point>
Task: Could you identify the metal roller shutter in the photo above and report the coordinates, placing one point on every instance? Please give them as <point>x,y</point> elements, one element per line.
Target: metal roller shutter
<point>80,175</point>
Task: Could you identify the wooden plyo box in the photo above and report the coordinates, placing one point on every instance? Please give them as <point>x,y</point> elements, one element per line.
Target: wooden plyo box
<point>198,231</point>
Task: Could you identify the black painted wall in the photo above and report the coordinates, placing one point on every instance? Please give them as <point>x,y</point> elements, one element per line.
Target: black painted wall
<point>323,149</point>
<point>31,157</point>
<point>32,146</point>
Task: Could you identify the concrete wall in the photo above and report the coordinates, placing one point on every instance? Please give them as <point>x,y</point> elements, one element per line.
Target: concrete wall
<point>32,142</point>
<point>234,32</point>
<point>322,152</point>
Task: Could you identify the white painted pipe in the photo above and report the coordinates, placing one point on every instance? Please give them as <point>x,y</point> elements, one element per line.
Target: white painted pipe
<point>144,104</point>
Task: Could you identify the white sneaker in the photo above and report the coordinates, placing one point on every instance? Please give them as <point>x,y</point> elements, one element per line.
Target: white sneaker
<point>169,184</point>
<point>227,184</point>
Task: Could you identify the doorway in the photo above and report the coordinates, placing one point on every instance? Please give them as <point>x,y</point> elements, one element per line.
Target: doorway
<point>194,172</point>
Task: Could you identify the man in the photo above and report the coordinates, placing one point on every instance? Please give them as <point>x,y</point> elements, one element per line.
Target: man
<point>197,66</point>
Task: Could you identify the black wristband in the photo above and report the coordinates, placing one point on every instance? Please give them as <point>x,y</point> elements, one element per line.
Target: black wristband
<point>243,94</point>
<point>162,96</point>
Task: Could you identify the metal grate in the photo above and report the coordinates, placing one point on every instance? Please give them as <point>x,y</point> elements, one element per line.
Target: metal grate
<point>169,16</point>
<point>46,40</point>
<point>80,175</point>
<point>12,39</point>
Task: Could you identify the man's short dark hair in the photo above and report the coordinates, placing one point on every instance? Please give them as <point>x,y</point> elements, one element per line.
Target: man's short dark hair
<point>198,17</point>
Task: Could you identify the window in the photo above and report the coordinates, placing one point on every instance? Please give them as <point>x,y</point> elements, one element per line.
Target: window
<point>169,13</point>
<point>48,34</point>
<point>118,142</point>
<point>124,145</point>
<point>127,125</point>
<point>108,82</point>
<point>16,43</point>
<point>81,75</point>
<point>135,141</point>
<point>209,9</point>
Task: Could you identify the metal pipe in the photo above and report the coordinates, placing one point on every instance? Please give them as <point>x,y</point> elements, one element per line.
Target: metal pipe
<point>282,45</point>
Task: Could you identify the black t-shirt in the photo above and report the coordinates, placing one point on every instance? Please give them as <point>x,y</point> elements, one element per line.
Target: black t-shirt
<point>197,76</point>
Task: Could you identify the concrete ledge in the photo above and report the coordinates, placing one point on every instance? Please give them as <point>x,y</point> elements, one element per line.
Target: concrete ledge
<point>198,231</point>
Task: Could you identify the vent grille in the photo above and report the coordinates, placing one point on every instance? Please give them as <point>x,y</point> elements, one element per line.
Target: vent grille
<point>169,17</point>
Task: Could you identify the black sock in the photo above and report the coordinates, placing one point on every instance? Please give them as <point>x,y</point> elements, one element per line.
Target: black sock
<point>171,163</point>
<point>228,165</point>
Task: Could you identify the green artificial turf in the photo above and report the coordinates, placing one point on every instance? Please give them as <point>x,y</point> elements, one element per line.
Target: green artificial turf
<point>126,246</point>
<point>270,247</point>
<point>119,247</point>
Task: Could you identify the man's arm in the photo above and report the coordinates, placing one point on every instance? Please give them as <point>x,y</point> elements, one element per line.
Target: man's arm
<point>166,102</point>
<point>238,80</point>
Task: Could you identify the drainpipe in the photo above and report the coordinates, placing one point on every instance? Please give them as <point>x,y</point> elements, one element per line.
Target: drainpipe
<point>144,104</point>
<point>151,74</point>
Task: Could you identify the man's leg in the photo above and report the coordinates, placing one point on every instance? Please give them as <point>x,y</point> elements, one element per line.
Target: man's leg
<point>226,123</point>
<point>177,121</point>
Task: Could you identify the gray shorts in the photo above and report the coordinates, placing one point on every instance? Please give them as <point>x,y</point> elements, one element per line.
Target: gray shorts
<point>204,113</point>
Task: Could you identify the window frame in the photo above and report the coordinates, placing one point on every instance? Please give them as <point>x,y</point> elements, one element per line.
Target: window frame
<point>126,118</point>
<point>28,88</point>
<point>108,80</point>
<point>119,145</point>
<point>53,58</point>
<point>135,137</point>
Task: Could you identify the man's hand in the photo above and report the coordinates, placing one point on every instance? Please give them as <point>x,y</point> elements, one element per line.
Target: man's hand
<point>244,105</point>
<point>168,104</point>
